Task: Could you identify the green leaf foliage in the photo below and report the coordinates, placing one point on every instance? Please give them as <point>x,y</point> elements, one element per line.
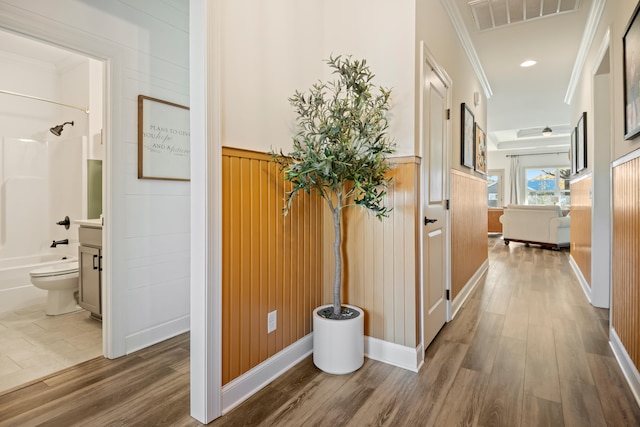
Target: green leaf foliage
<point>340,148</point>
<point>341,144</point>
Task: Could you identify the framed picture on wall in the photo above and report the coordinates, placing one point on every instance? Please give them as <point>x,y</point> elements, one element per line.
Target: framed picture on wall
<point>163,140</point>
<point>467,121</point>
<point>480,150</point>
<point>581,143</point>
<point>631,61</point>
<point>573,152</point>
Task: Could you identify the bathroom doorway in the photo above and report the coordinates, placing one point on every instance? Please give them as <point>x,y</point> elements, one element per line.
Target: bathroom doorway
<point>51,163</point>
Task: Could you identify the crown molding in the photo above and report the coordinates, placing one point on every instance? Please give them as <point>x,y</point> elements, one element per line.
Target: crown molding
<point>467,45</point>
<point>593,20</point>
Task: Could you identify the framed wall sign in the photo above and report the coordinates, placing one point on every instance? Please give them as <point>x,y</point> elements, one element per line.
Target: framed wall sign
<point>480,151</point>
<point>163,140</point>
<point>467,136</point>
<point>631,59</point>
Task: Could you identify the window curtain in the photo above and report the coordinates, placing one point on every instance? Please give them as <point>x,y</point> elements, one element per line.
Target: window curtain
<point>516,179</point>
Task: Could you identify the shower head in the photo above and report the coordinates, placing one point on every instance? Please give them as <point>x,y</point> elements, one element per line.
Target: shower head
<point>57,130</point>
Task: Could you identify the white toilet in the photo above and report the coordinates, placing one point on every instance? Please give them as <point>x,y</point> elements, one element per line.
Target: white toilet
<point>61,282</point>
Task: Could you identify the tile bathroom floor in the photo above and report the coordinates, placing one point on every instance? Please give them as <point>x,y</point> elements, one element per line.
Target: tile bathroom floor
<point>33,345</point>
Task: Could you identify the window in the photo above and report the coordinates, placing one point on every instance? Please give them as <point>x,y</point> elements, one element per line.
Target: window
<point>495,178</point>
<point>548,186</point>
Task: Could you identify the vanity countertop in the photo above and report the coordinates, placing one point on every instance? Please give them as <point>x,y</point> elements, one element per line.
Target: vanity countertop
<point>93,223</point>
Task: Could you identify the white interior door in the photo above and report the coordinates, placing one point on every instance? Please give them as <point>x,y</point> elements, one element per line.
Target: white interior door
<point>435,102</point>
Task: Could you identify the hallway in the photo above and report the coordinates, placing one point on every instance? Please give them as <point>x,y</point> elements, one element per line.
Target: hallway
<point>526,349</point>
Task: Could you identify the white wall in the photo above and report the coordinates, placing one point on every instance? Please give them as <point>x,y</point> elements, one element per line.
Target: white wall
<point>383,33</point>
<point>146,230</point>
<point>281,47</point>
<point>268,51</point>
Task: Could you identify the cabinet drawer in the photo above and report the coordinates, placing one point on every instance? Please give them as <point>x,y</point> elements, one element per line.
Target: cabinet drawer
<point>90,236</point>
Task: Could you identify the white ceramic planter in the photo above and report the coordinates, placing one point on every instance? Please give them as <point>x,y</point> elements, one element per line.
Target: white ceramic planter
<point>338,345</point>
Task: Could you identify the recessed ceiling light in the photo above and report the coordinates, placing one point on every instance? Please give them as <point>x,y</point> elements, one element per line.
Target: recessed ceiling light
<point>528,63</point>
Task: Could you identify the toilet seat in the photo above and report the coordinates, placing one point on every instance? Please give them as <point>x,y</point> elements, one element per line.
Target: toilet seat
<point>55,269</point>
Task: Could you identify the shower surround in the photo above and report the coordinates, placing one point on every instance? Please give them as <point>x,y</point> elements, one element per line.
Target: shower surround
<point>40,183</point>
<point>42,175</point>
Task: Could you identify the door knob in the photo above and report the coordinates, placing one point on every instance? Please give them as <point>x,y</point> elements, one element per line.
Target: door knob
<point>429,220</point>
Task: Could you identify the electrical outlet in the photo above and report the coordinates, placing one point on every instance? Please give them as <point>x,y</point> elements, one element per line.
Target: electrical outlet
<point>272,321</point>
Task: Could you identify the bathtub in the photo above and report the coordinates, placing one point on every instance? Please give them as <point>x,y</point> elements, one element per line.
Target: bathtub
<point>16,290</point>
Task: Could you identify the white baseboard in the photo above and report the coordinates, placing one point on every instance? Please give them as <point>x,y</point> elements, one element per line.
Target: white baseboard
<point>467,289</point>
<point>626,364</point>
<point>393,354</point>
<point>157,334</point>
<point>583,282</point>
<point>243,387</point>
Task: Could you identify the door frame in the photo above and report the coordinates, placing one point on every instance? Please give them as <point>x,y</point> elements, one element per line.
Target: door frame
<point>40,29</point>
<point>427,57</point>
<point>206,394</point>
<point>500,173</point>
<point>599,292</point>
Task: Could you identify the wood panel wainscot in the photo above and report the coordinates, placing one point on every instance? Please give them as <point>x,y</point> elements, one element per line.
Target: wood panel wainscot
<point>581,207</point>
<point>381,260</point>
<point>625,303</point>
<point>269,261</point>
<point>468,228</point>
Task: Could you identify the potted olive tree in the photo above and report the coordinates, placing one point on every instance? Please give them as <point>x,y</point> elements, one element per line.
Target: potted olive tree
<point>340,151</point>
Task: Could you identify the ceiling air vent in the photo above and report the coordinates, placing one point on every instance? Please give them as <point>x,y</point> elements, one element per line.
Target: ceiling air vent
<point>489,14</point>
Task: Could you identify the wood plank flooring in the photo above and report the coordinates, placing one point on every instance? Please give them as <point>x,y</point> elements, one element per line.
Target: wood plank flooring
<point>526,349</point>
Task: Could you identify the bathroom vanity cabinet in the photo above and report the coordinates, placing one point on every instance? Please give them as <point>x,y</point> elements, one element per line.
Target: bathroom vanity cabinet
<point>90,268</point>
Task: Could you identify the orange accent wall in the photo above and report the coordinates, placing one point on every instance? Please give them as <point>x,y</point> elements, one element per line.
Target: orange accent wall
<point>581,207</point>
<point>269,262</point>
<point>381,270</point>
<point>272,262</point>
<point>625,304</point>
<point>469,225</point>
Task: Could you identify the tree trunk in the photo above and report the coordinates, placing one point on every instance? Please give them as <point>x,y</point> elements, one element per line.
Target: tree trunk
<point>337,278</point>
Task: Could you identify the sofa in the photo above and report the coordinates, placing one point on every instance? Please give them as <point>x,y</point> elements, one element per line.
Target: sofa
<point>536,224</point>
